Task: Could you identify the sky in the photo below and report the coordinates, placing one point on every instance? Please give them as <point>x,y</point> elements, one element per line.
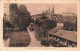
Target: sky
<point>37,8</point>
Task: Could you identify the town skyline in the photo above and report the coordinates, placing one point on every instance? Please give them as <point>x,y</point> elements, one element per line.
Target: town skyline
<point>37,8</point>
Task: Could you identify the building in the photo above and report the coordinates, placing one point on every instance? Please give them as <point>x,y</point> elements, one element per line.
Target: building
<point>70,26</point>
<point>57,17</point>
<point>37,16</point>
<point>65,17</point>
<point>69,17</point>
<point>48,13</point>
<point>63,38</point>
<point>54,30</point>
<point>52,16</point>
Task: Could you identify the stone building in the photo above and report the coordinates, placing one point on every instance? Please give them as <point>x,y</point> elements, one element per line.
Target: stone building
<point>70,26</point>
<point>65,17</point>
<point>48,13</point>
<point>63,38</point>
<point>69,17</point>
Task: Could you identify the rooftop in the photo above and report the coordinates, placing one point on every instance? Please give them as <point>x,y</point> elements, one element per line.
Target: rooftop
<point>69,14</point>
<point>54,29</point>
<point>69,35</point>
<point>37,15</point>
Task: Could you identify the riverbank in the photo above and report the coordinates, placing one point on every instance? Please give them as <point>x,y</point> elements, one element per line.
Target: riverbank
<point>18,39</point>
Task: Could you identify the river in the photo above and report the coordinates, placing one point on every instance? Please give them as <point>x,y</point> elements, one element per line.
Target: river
<point>33,43</point>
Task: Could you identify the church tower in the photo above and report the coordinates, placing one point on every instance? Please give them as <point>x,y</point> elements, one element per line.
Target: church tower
<point>49,8</point>
<point>53,10</point>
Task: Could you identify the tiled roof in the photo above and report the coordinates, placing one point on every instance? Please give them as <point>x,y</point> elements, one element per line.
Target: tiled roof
<point>69,35</point>
<point>54,30</point>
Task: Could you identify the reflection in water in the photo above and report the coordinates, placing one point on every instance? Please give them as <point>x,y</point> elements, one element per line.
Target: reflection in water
<point>34,42</point>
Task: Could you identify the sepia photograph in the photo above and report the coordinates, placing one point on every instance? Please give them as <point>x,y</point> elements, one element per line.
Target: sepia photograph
<point>40,25</point>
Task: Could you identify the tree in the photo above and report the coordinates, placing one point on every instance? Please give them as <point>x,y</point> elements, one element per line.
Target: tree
<point>14,17</point>
<point>19,16</point>
<point>25,17</point>
<point>47,25</point>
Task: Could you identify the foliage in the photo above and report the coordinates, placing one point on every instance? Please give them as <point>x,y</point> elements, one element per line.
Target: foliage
<point>19,16</point>
<point>6,24</point>
<point>14,15</point>
<point>48,24</point>
<point>45,25</point>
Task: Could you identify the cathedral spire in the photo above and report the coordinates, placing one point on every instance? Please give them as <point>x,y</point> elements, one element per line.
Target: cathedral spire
<point>53,9</point>
<point>49,7</point>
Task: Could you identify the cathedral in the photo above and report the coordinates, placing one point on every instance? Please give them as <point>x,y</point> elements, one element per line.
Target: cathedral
<point>49,12</point>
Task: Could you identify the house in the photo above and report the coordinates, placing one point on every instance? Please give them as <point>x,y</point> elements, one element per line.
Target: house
<point>70,26</point>
<point>69,17</point>
<point>63,38</point>
<point>54,30</point>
